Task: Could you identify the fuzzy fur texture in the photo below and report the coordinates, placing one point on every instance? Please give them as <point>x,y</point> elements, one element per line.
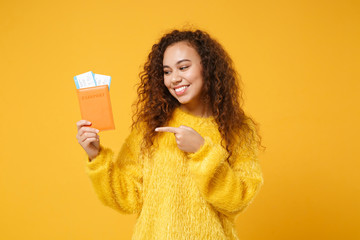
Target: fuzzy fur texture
<point>178,195</point>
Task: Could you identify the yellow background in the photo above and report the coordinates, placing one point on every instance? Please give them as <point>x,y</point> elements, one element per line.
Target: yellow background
<point>299,61</point>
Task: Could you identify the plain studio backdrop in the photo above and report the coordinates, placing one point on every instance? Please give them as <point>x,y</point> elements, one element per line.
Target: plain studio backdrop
<point>298,60</point>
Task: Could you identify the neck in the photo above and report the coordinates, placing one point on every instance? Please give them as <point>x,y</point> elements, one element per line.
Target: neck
<point>196,110</point>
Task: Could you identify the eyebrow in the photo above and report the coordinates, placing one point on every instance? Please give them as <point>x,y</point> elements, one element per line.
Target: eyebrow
<point>182,60</point>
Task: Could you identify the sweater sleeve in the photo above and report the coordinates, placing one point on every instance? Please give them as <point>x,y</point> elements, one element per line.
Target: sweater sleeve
<point>118,182</point>
<point>229,188</point>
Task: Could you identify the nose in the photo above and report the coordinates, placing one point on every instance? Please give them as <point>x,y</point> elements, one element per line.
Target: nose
<point>175,78</point>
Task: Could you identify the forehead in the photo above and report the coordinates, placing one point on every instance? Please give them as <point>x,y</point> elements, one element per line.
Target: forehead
<point>179,51</point>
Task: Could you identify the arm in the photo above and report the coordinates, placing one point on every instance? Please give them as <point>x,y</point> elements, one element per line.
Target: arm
<point>118,184</point>
<point>229,188</point>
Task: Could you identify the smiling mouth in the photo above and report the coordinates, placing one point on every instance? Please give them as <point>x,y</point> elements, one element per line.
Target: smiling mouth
<point>181,90</point>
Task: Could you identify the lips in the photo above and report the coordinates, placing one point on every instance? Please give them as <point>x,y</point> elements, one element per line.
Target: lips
<point>181,90</point>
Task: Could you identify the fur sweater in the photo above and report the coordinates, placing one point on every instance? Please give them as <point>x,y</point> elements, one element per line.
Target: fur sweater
<point>178,195</point>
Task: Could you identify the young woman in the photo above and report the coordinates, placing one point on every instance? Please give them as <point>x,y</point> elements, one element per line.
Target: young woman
<point>189,165</point>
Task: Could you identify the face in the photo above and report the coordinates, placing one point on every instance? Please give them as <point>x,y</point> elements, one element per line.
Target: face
<point>183,73</point>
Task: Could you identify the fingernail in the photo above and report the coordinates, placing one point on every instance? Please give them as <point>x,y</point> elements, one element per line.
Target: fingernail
<point>97,130</point>
<point>156,129</point>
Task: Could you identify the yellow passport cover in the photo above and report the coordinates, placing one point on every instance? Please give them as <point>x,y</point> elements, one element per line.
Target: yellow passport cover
<point>95,106</point>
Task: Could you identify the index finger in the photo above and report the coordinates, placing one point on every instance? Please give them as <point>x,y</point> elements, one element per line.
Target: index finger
<point>167,129</point>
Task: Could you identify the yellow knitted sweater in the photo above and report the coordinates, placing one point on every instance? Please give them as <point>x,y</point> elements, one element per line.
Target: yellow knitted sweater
<point>178,195</point>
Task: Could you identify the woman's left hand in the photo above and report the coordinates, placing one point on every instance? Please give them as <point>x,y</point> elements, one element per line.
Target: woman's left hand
<point>187,139</point>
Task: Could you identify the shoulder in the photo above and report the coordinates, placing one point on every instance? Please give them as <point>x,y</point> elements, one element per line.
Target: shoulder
<point>136,134</point>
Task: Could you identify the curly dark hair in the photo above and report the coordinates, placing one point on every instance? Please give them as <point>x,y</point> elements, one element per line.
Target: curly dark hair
<point>221,91</point>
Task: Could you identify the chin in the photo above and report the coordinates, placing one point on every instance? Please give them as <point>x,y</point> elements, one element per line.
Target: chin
<point>182,101</point>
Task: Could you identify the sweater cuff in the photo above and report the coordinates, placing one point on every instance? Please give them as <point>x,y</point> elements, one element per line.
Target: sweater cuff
<point>104,155</point>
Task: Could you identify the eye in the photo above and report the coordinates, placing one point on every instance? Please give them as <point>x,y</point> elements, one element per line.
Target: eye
<point>184,67</point>
<point>166,72</point>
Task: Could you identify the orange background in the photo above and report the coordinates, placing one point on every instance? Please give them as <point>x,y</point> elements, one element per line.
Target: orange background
<point>299,61</point>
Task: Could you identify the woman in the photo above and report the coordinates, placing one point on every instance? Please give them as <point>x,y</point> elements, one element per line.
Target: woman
<point>189,165</point>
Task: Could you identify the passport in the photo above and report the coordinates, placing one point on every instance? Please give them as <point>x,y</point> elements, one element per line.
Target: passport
<point>95,106</point>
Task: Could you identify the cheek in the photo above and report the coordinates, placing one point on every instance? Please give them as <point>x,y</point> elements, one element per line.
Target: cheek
<point>194,76</point>
<point>197,80</point>
<point>166,82</point>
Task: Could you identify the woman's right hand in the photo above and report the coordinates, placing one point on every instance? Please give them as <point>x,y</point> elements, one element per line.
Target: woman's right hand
<point>88,138</point>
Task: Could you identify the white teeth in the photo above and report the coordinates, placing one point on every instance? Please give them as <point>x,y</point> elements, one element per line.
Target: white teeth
<point>180,89</point>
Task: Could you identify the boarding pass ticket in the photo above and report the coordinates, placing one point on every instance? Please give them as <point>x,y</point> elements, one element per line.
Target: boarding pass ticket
<point>90,79</point>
